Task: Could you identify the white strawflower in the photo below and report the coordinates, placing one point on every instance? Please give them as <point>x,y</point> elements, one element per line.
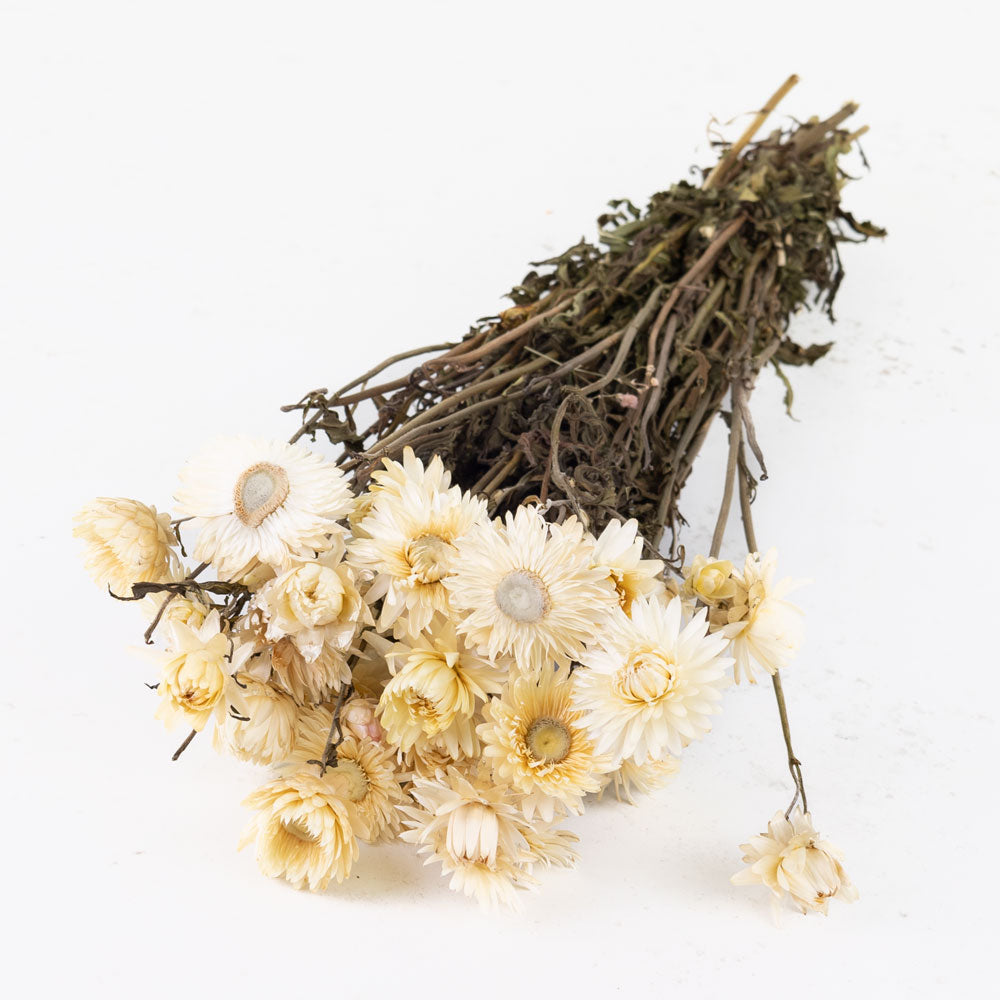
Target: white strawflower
<point>436,686</point>
<point>764,628</point>
<point>127,542</point>
<point>408,546</point>
<point>309,682</point>
<point>302,830</point>
<point>536,741</point>
<point>792,860</point>
<point>196,680</point>
<point>651,683</point>
<point>475,831</point>
<point>709,580</point>
<point>316,604</point>
<point>529,590</point>
<point>258,499</point>
<point>266,733</point>
<point>618,552</point>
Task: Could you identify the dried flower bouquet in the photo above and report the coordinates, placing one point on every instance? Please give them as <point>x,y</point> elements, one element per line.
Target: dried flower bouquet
<point>471,622</point>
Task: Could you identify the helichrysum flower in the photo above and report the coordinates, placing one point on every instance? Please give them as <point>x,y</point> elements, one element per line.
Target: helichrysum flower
<point>792,861</point>
<point>261,500</point>
<point>651,684</point>
<point>265,734</point>
<point>529,590</point>
<point>408,543</point>
<point>436,686</point>
<point>365,775</point>
<point>535,740</point>
<point>765,629</point>
<point>196,681</point>
<point>618,551</point>
<point>302,830</point>
<point>316,604</point>
<point>127,542</point>
<point>474,829</point>
<point>309,682</point>
<point>709,580</point>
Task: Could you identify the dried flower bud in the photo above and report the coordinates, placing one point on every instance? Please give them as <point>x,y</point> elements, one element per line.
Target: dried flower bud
<point>710,581</point>
<point>358,716</point>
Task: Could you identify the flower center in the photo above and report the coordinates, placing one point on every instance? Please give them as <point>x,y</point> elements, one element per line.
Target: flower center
<point>429,557</point>
<point>647,677</point>
<point>521,595</point>
<point>356,782</point>
<point>259,492</point>
<point>295,829</point>
<point>548,740</point>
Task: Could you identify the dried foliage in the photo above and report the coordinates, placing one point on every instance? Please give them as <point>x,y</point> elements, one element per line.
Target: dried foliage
<point>596,389</point>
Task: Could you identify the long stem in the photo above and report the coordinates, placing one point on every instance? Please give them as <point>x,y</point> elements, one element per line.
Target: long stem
<point>794,764</point>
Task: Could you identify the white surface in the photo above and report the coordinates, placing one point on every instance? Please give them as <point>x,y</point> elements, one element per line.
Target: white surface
<point>199,207</point>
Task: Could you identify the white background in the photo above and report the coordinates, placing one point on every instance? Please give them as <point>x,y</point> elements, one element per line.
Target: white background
<point>207,209</point>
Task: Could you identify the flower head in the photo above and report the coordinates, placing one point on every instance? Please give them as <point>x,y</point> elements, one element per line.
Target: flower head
<point>792,860</point>
<point>266,733</point>
<point>196,679</point>
<point>536,741</point>
<point>127,542</point>
<point>619,552</point>
<point>256,499</point>
<point>529,590</point>
<point>302,830</point>
<point>651,684</point>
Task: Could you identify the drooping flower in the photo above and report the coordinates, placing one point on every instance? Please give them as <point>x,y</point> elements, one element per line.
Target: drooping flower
<point>764,628</point>
<point>529,590</point>
<point>196,681</point>
<point>266,733</point>
<point>475,831</point>
<point>408,546</point>
<point>316,604</point>
<point>651,683</point>
<point>127,542</point>
<point>256,499</point>
<point>309,682</point>
<point>619,552</point>
<point>302,830</point>
<point>792,860</point>
<point>536,741</point>
<point>436,686</point>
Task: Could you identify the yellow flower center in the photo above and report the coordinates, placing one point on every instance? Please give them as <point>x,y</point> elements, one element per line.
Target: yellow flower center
<point>259,492</point>
<point>429,557</point>
<point>548,740</point>
<point>522,595</point>
<point>647,677</point>
<point>355,781</point>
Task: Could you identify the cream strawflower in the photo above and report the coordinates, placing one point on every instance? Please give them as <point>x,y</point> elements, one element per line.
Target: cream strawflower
<point>643,778</point>
<point>394,476</point>
<point>790,859</point>
<point>536,742</point>
<point>364,774</point>
<point>474,829</point>
<point>529,590</point>
<point>258,499</point>
<point>709,580</point>
<point>266,732</point>
<point>309,682</point>
<point>651,684</point>
<point>302,830</point>
<point>316,603</point>
<point>409,548</point>
<point>127,542</point>
<point>177,609</point>
<point>764,628</point>
<point>196,681</point>
<point>436,686</point>
<point>619,553</point>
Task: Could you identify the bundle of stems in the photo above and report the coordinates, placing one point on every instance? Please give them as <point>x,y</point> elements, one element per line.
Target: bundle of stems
<point>595,391</point>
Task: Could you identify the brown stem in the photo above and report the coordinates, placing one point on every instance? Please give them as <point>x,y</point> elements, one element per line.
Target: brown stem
<point>187,742</point>
<point>735,439</point>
